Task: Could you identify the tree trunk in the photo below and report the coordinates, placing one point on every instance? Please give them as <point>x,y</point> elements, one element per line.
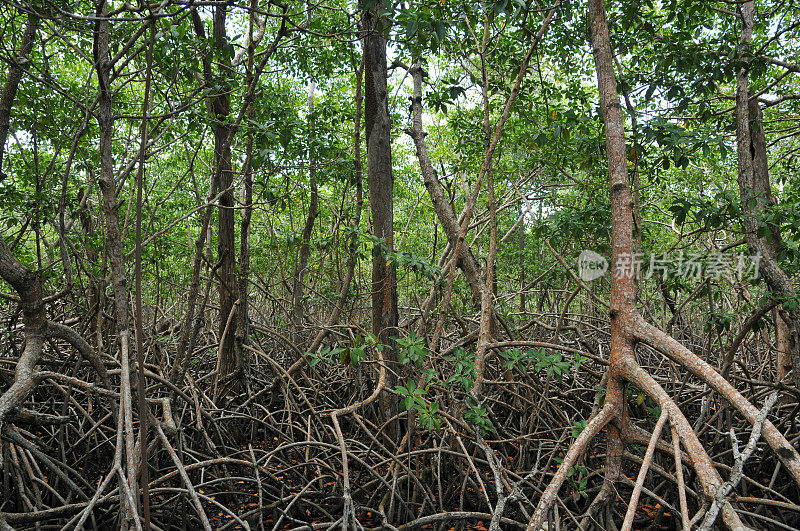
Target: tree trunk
<point>354,222</point>
<point>12,84</point>
<point>242,334</point>
<point>25,282</point>
<point>444,209</point>
<point>305,245</point>
<point>229,366</point>
<point>629,327</point>
<point>378,126</point>
<point>522,262</point>
<point>782,346</point>
<point>756,192</point>
<point>114,246</point>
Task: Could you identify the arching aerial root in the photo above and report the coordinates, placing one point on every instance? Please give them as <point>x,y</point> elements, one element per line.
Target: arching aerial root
<point>714,489</point>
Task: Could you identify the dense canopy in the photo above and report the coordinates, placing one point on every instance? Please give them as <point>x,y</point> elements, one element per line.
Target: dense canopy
<point>506,264</point>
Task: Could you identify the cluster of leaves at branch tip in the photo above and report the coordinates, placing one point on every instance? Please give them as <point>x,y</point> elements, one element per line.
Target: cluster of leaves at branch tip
<point>638,399</point>
<point>721,322</point>
<point>554,364</point>
<point>347,354</point>
<point>404,259</point>
<point>725,208</point>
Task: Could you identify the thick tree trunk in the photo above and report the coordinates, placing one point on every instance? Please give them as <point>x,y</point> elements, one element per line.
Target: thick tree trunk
<point>629,327</point>
<point>378,127</point>
<point>228,364</point>
<point>623,287</point>
<point>28,286</point>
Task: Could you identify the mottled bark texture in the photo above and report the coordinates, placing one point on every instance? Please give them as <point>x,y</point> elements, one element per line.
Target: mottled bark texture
<point>228,366</point>
<point>242,334</point>
<point>378,126</point>
<point>114,249</point>
<point>219,108</point>
<point>445,212</point>
<point>28,286</point>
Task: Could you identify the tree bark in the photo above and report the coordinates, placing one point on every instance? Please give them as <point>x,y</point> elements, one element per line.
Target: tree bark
<point>12,83</point>
<point>25,282</point>
<point>444,209</point>
<point>142,409</point>
<point>377,122</point>
<point>784,360</point>
<point>756,193</point>
<point>229,365</point>
<point>354,222</point>
<point>242,333</point>
<point>305,244</point>
<point>28,286</point>
<point>629,327</point>
<point>114,247</point>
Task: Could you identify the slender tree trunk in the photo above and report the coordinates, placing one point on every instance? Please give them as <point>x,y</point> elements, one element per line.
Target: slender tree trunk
<point>230,361</point>
<point>188,332</point>
<point>444,209</point>
<point>782,346</point>
<point>116,257</point>
<point>522,262</point>
<point>305,245</point>
<point>381,194</point>
<point>354,221</point>
<point>242,334</point>
<point>15,71</point>
<point>144,416</point>
<point>95,290</point>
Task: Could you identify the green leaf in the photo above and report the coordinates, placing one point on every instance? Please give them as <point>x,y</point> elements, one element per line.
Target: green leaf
<point>439,30</point>
<point>411,28</point>
<point>578,427</point>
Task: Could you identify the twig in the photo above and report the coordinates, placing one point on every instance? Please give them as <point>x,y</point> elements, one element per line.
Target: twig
<point>738,464</point>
